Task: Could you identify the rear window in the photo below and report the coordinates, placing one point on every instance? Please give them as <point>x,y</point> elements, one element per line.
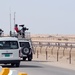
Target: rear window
<point>9,45</point>
<point>24,44</point>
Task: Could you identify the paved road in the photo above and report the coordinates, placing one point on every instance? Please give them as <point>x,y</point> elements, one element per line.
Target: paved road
<point>37,68</point>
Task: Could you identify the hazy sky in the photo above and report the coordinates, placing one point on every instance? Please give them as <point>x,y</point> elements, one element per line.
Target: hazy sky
<point>40,16</point>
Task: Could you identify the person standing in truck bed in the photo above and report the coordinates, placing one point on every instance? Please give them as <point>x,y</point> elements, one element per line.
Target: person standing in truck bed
<point>16,29</point>
<point>23,30</point>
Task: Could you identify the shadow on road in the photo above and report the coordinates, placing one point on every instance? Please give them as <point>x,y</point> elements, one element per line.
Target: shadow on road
<point>27,64</point>
<point>41,61</point>
<point>30,66</point>
<point>22,66</point>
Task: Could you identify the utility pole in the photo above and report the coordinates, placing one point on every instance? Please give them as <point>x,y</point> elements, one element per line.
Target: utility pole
<point>14,19</point>
<point>10,23</point>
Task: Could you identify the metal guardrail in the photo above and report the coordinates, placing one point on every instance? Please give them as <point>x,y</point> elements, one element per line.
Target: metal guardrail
<point>58,44</point>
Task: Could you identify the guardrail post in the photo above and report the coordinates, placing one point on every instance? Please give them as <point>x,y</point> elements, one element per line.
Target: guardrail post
<point>57,55</point>
<point>40,46</point>
<point>58,52</point>
<point>70,58</point>
<point>70,55</point>
<point>46,55</point>
<point>37,54</point>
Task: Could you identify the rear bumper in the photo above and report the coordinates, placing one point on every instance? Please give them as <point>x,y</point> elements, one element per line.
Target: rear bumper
<point>9,61</point>
<point>23,56</point>
<point>26,56</point>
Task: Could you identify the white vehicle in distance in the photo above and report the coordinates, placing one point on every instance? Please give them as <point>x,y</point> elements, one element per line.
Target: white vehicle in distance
<point>26,51</point>
<point>9,51</point>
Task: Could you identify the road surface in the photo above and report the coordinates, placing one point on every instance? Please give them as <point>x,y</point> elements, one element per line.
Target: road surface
<point>37,68</point>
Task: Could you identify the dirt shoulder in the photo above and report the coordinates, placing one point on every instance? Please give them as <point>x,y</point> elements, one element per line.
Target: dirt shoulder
<point>53,62</point>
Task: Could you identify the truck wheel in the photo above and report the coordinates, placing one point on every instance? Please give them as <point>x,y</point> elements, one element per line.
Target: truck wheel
<point>17,64</point>
<point>12,64</point>
<point>29,59</point>
<point>24,58</point>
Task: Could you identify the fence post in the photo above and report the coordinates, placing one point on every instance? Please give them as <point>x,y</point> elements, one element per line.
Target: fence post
<point>37,54</point>
<point>63,51</point>
<point>40,45</point>
<point>58,52</point>
<point>70,55</point>
<point>46,55</point>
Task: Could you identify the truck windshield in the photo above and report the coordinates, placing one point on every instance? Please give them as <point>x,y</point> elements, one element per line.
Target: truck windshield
<point>24,44</point>
<point>9,45</point>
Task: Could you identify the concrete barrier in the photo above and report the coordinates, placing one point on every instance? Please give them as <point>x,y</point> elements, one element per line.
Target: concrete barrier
<point>13,72</point>
<point>7,71</point>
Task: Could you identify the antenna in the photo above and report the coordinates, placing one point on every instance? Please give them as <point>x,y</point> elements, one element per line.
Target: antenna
<point>14,19</point>
<point>10,22</point>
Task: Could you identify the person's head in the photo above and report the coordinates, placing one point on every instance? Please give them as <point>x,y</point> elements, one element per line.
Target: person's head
<point>16,25</point>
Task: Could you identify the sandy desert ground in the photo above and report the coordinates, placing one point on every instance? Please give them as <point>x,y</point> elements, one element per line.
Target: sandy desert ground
<point>64,57</point>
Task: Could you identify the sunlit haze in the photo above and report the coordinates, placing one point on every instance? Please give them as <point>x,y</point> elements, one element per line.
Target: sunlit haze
<point>40,16</point>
